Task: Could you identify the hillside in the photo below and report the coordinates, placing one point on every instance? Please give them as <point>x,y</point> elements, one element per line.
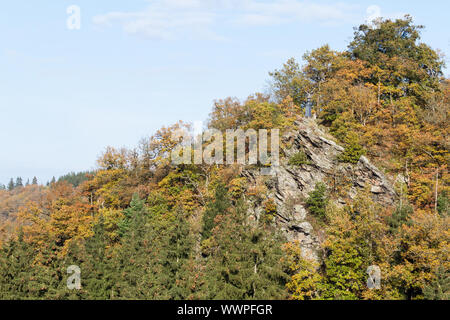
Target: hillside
<point>362,184</point>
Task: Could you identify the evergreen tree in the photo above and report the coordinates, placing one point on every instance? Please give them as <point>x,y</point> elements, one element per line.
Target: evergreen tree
<point>220,205</point>
<point>245,261</point>
<point>11,185</point>
<point>175,253</point>
<point>98,271</point>
<point>19,182</point>
<point>443,205</point>
<point>75,179</point>
<point>35,181</point>
<point>26,273</point>
<point>439,289</point>
<point>136,257</point>
<point>136,207</point>
<point>400,216</point>
<point>16,260</point>
<point>49,274</point>
<point>317,201</point>
<point>353,149</point>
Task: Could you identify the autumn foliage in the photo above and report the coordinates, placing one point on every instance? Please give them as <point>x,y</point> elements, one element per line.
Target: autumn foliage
<point>143,228</point>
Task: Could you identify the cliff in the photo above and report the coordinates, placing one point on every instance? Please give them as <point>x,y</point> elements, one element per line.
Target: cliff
<point>289,186</point>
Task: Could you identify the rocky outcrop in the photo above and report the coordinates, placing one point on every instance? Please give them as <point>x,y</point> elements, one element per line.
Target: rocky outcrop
<point>289,185</point>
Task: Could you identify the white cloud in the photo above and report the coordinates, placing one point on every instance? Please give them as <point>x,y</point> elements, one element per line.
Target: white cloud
<point>157,22</point>
<point>375,12</point>
<point>169,19</point>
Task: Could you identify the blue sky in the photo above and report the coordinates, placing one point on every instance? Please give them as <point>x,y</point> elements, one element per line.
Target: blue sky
<point>137,65</point>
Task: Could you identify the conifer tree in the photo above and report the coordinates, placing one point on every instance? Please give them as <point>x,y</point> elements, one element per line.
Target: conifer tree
<point>19,182</point>
<point>174,254</point>
<point>220,205</point>
<point>245,261</point>
<point>135,279</point>
<point>11,185</point>
<point>317,201</point>
<point>353,149</point>
<point>27,273</point>
<point>16,269</point>
<point>439,289</point>
<point>49,274</point>
<point>130,214</point>
<point>443,205</point>
<point>99,273</point>
<point>402,215</point>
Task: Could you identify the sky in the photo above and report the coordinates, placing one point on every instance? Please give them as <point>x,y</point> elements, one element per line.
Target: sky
<point>66,93</point>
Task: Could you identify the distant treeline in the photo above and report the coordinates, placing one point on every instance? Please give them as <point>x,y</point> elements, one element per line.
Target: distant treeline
<point>74,178</point>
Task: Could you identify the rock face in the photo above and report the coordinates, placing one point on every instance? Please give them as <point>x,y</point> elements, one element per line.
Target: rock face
<point>289,186</point>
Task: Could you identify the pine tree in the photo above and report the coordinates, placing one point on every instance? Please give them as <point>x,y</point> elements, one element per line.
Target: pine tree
<point>49,274</point>
<point>19,182</point>
<point>402,215</point>
<point>136,207</point>
<point>75,179</point>
<point>35,181</point>
<point>16,269</point>
<point>98,271</point>
<point>245,260</point>
<point>317,201</point>
<point>137,254</point>
<point>439,288</point>
<point>11,185</point>
<point>353,149</point>
<point>220,205</point>
<point>443,205</point>
<point>176,252</point>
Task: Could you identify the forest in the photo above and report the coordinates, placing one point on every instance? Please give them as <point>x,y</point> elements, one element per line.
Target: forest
<point>140,227</point>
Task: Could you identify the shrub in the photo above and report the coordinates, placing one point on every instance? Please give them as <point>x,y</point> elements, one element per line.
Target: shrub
<point>353,150</point>
<point>270,210</point>
<point>298,159</point>
<point>399,217</point>
<point>443,205</point>
<point>317,201</point>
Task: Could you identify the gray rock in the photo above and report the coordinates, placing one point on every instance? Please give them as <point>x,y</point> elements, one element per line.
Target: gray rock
<point>376,190</point>
<point>304,227</point>
<point>291,182</point>
<point>299,213</point>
